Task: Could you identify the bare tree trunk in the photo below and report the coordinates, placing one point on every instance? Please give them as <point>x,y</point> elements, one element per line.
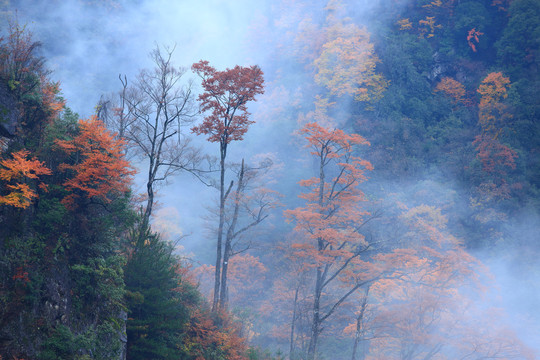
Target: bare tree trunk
<point>217,277</point>
<point>293,322</point>
<point>316,322</point>
<point>359,323</point>
<point>229,238</point>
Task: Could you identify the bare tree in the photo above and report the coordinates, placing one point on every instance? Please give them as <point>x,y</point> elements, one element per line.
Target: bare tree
<point>150,116</point>
<point>250,206</point>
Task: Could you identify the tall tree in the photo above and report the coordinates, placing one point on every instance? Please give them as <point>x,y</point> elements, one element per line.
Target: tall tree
<point>346,64</point>
<point>150,116</point>
<point>493,111</point>
<point>96,165</point>
<point>434,310</point>
<point>330,221</point>
<point>226,94</point>
<point>248,207</point>
<point>158,299</point>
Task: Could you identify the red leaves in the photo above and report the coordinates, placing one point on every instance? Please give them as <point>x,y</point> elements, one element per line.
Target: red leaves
<point>473,35</point>
<point>226,94</point>
<point>99,169</point>
<point>21,169</point>
<point>21,275</point>
<point>497,160</point>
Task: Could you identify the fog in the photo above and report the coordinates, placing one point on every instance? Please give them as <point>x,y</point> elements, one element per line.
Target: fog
<point>87,44</point>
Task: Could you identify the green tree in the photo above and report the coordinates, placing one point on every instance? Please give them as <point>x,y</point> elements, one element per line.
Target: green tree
<point>158,301</point>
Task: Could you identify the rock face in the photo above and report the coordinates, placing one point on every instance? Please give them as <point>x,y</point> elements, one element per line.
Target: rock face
<point>8,113</point>
<point>54,316</point>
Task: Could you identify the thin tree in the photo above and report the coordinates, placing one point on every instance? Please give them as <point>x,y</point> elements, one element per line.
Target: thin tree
<point>249,207</point>
<point>225,97</point>
<point>150,117</point>
<point>329,224</point>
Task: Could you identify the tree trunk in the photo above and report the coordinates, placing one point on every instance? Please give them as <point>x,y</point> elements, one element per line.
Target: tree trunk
<point>293,322</point>
<point>217,277</point>
<point>359,323</point>
<point>228,240</point>
<point>316,322</point>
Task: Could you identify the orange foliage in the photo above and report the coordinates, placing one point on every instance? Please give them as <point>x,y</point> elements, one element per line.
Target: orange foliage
<point>98,168</point>
<point>213,334</point>
<point>15,173</point>
<point>452,88</point>
<point>473,35</point>
<point>493,112</point>
<point>428,27</point>
<point>246,277</point>
<point>429,303</point>
<point>433,4</point>
<point>502,5</point>
<point>497,161</point>
<point>327,237</point>
<point>404,24</point>
<point>346,64</point>
<point>51,101</point>
<point>339,196</point>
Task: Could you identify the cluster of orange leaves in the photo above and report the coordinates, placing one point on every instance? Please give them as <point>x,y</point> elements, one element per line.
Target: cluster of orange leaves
<point>493,113</point>
<point>49,96</point>
<point>428,26</point>
<point>99,168</point>
<point>473,35</point>
<point>16,173</point>
<point>453,89</point>
<point>208,331</point>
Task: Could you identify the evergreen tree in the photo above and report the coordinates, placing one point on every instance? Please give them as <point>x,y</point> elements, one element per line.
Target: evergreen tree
<point>157,300</point>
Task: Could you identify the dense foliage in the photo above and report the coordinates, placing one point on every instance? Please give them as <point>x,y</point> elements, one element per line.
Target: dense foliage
<point>82,275</point>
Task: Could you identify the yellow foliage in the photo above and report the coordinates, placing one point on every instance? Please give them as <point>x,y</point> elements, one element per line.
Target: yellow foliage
<point>346,65</point>
<point>404,24</point>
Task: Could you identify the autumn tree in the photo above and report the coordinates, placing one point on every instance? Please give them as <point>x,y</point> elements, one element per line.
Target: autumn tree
<point>493,111</point>
<point>249,205</point>
<point>96,168</point>
<point>433,310</point>
<point>150,115</point>
<point>341,55</point>
<point>329,224</point>
<point>32,100</point>
<point>497,162</point>
<point>20,66</point>
<point>497,159</point>
<point>17,175</point>
<point>346,64</point>
<point>225,97</point>
<point>453,89</point>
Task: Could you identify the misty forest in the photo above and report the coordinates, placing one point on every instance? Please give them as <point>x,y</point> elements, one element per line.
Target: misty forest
<point>270,180</point>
